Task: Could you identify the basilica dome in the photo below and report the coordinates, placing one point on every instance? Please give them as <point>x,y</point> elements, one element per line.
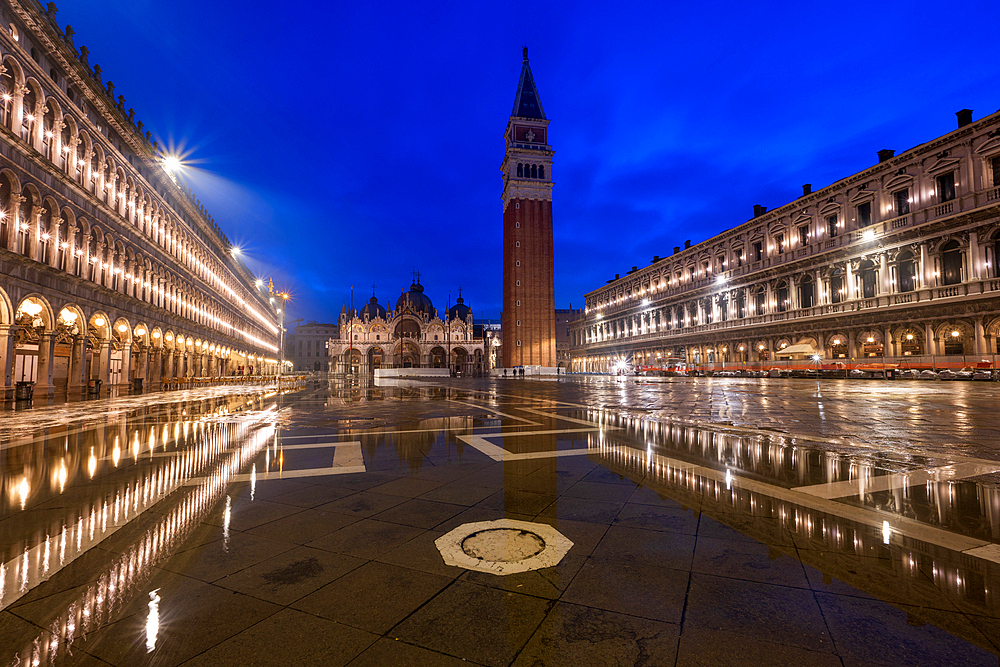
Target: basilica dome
<point>415,301</point>
<point>372,310</point>
<point>459,311</point>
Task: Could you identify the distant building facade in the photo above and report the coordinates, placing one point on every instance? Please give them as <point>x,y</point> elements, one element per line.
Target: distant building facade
<point>900,262</point>
<point>410,336</point>
<point>491,332</point>
<point>528,278</point>
<point>110,270</point>
<point>563,341</point>
<point>306,348</point>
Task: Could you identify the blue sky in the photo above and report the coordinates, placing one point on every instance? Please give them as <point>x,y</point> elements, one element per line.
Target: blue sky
<point>349,143</point>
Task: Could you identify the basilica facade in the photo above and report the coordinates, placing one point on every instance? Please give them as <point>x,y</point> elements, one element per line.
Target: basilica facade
<point>410,336</point>
<point>899,263</point>
<point>111,270</point>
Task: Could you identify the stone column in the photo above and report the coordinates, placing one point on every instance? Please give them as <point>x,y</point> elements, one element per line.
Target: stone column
<point>54,242</point>
<point>77,367</point>
<point>126,365</point>
<point>852,345</point>
<point>7,338</point>
<point>170,365</point>
<point>980,347</point>
<point>104,365</point>
<point>974,260</point>
<point>850,283</point>
<point>924,272</point>
<point>822,291</point>
<point>929,340</point>
<point>34,231</point>
<point>887,349</point>
<point>46,352</point>
<point>883,276</point>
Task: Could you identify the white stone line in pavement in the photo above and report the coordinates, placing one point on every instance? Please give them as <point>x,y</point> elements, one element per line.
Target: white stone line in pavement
<point>514,434</point>
<point>566,419</point>
<point>496,412</point>
<point>860,486</point>
<point>319,445</point>
<point>346,460</point>
<point>500,454</point>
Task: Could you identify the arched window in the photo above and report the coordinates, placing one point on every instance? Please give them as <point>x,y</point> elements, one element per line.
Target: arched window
<point>760,301</point>
<point>66,139</point>
<point>6,96</point>
<point>806,292</point>
<point>6,219</point>
<point>534,171</point>
<point>740,305</point>
<point>24,222</point>
<point>782,296</point>
<point>28,114</point>
<point>905,270</point>
<point>520,169</point>
<point>48,134</point>
<point>541,171</point>
<point>867,279</point>
<point>951,263</point>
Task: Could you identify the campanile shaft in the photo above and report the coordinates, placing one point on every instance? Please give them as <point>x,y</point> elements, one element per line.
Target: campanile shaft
<point>528,319</point>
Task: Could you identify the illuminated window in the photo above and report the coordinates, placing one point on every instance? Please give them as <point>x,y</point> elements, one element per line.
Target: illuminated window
<point>779,243</point>
<point>758,250</point>
<point>831,225</point>
<point>864,214</point>
<point>902,200</point>
<point>946,186</point>
<point>803,235</point>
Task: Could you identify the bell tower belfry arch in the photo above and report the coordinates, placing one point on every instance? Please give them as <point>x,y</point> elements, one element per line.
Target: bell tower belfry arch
<point>528,318</point>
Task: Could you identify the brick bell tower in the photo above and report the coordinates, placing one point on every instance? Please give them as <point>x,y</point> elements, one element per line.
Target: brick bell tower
<point>528,318</point>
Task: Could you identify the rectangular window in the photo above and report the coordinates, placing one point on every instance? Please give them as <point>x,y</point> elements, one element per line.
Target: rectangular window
<point>902,199</point>
<point>946,186</point>
<point>803,235</point>
<point>758,251</point>
<point>865,214</point>
<point>831,225</point>
<point>995,163</point>
<point>779,243</point>
<point>739,257</point>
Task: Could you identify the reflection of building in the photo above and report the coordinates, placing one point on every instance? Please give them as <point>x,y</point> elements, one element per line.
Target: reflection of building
<point>306,348</point>
<point>563,317</point>
<point>411,336</point>
<point>110,270</point>
<point>895,542</point>
<point>528,282</point>
<point>900,260</point>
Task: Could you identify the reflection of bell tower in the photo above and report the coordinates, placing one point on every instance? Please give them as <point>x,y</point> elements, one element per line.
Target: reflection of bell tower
<point>528,319</point>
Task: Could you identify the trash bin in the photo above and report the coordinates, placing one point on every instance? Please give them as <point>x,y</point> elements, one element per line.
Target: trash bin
<point>94,386</point>
<point>23,391</point>
<point>890,374</point>
<point>137,385</point>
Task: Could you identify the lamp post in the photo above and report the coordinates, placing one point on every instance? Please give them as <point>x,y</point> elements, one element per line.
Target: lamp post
<point>281,339</point>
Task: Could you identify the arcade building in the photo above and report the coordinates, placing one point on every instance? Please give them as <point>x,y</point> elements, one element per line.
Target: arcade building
<point>897,264</point>
<point>112,273</point>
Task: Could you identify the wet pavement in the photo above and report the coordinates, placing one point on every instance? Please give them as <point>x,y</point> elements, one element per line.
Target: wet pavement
<point>700,522</point>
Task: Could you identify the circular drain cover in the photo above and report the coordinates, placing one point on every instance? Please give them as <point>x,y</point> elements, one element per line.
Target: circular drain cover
<point>504,545</point>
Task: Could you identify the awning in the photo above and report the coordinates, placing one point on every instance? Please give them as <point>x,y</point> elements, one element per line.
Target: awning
<point>798,348</point>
